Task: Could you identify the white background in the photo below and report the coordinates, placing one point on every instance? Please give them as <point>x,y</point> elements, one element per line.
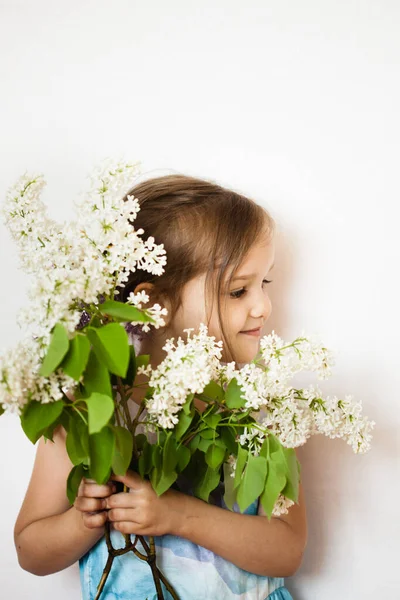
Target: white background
<point>293,103</point>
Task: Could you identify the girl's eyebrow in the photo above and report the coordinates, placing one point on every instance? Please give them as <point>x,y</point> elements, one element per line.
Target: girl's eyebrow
<point>250,275</point>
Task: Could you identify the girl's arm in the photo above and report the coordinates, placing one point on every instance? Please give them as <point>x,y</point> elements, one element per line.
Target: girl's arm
<point>273,548</point>
<point>49,534</point>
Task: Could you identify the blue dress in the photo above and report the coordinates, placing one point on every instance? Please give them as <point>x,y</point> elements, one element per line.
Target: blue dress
<point>194,572</point>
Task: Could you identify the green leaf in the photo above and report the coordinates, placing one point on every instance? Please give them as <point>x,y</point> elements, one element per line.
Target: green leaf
<point>101,454</point>
<point>214,391</point>
<point>274,443</point>
<point>233,395</point>
<point>122,450</point>
<point>291,489</point>
<point>77,441</point>
<point>194,443</point>
<point>62,419</point>
<point>156,456</point>
<point>212,420</point>
<point>142,360</point>
<point>183,424</point>
<point>286,461</point>
<point>111,345</point>
<point>162,436</point>
<point>264,450</point>
<point>1,410</point>
<point>240,463</point>
<point>187,407</point>
<point>183,458</point>
<point>58,348</point>
<point>253,481</point>
<point>161,481</point>
<point>228,436</point>
<point>274,484</point>
<point>215,456</point>
<point>145,460</point>
<point>195,466</point>
<point>239,429</point>
<point>230,493</point>
<point>170,455</point>
<point>204,445</point>
<point>140,441</point>
<point>132,367</point>
<point>73,481</point>
<point>77,356</point>
<point>100,408</point>
<point>208,434</point>
<point>208,482</point>
<point>37,417</point>
<point>124,312</point>
<point>96,377</point>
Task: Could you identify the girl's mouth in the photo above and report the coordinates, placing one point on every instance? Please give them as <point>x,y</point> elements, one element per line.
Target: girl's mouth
<point>254,332</point>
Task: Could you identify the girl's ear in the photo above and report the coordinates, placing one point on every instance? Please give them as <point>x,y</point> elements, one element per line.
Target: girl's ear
<point>150,291</point>
<point>154,297</point>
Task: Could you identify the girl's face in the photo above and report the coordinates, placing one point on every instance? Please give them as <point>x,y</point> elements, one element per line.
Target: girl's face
<point>246,306</point>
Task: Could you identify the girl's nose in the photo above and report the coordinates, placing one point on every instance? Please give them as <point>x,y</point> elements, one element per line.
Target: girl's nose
<point>262,308</point>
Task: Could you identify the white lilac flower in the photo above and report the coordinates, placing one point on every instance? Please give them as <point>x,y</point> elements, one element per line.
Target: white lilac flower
<point>337,418</point>
<point>252,438</point>
<point>254,384</point>
<point>77,263</point>
<point>232,461</point>
<point>281,506</point>
<point>289,419</point>
<point>305,353</point>
<point>188,367</point>
<point>226,372</point>
<point>155,311</point>
<point>138,299</point>
<point>294,415</point>
<point>145,370</point>
<point>20,383</point>
<point>26,217</point>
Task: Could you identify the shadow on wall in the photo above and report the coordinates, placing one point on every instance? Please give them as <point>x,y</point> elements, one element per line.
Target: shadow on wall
<point>333,476</point>
<point>279,290</point>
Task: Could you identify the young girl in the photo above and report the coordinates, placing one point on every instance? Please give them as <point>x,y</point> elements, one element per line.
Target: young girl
<point>220,250</point>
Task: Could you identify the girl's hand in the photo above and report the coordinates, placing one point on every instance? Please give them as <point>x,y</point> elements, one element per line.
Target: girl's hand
<point>90,502</point>
<point>140,511</point>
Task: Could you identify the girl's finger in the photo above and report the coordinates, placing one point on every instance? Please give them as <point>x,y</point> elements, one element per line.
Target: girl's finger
<point>85,504</point>
<point>96,520</point>
<point>86,480</point>
<point>131,480</point>
<point>94,490</point>
<point>127,527</point>
<point>122,514</point>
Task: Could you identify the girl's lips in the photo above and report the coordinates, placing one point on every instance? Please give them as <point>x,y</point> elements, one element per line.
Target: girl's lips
<point>255,332</point>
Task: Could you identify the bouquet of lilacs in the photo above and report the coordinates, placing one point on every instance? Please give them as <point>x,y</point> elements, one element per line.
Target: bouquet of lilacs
<point>76,368</point>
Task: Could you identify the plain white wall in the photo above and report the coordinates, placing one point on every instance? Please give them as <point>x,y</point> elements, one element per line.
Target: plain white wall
<point>293,103</point>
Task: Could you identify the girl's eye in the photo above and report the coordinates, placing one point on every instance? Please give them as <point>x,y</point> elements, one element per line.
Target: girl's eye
<point>242,291</point>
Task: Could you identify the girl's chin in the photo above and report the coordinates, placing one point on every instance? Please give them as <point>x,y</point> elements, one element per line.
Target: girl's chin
<point>246,350</point>
<point>247,356</point>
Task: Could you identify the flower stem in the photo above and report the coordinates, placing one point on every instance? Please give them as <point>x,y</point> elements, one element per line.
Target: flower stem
<point>107,568</point>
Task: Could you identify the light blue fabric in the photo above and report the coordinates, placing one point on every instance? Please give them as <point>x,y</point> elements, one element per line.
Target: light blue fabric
<point>194,572</point>
<point>280,594</point>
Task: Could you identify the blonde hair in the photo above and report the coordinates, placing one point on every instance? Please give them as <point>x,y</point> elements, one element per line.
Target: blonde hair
<point>205,228</point>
